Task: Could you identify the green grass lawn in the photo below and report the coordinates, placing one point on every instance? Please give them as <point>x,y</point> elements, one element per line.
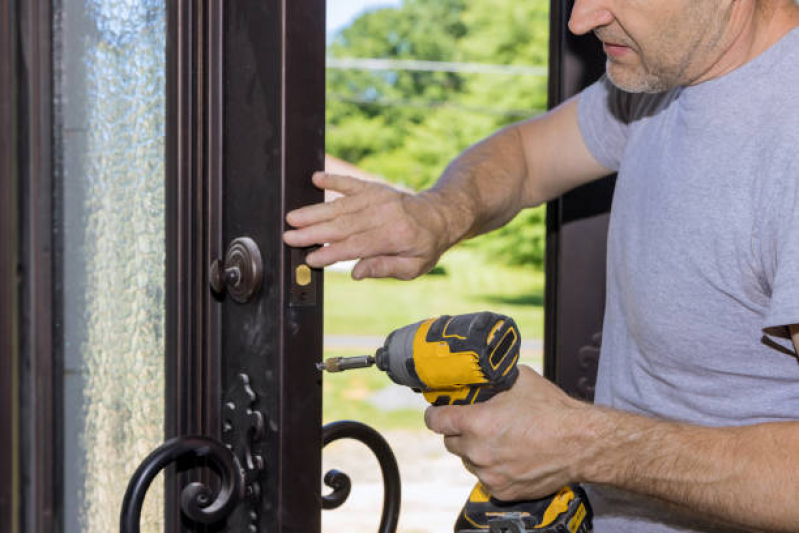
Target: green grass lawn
<point>376,307</point>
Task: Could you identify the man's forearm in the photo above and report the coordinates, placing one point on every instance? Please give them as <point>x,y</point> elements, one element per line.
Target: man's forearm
<point>742,475</point>
<point>484,187</point>
<point>523,165</point>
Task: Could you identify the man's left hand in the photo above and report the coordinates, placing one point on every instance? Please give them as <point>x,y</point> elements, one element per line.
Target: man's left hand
<point>522,443</point>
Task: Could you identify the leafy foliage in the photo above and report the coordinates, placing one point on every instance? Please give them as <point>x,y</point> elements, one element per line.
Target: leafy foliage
<point>408,125</point>
<point>522,242</point>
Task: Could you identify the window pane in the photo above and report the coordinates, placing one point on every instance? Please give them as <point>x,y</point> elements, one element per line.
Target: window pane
<point>110,109</point>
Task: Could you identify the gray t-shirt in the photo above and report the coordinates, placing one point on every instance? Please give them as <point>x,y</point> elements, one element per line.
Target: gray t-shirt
<point>703,256</point>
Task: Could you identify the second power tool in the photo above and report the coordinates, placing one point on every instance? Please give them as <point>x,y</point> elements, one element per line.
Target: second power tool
<point>462,360</point>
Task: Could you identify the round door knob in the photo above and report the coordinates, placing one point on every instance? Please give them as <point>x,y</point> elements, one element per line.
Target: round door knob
<point>241,272</point>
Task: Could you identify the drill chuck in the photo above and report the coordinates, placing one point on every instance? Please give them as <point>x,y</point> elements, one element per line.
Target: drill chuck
<point>395,357</point>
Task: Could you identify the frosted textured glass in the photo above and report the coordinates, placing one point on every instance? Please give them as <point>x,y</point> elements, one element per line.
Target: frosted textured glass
<point>110,136</point>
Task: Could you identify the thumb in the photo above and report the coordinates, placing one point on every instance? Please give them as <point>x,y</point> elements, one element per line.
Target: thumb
<point>385,266</point>
<point>446,420</point>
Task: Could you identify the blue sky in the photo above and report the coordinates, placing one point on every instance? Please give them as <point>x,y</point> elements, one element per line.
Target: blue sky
<point>342,12</point>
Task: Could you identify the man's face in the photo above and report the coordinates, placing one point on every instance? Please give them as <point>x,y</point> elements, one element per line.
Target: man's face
<point>655,45</point>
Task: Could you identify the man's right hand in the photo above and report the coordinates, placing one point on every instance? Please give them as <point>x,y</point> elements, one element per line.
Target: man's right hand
<point>392,233</point>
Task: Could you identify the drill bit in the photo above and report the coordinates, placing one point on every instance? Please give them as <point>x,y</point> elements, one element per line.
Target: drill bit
<point>340,364</point>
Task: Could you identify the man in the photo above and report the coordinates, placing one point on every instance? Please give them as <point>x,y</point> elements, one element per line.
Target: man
<point>698,388</point>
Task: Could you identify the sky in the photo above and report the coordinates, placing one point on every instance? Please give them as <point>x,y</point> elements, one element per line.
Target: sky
<point>341,12</point>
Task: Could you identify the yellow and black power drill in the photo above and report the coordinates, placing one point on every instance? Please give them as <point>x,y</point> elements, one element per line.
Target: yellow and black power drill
<point>462,360</point>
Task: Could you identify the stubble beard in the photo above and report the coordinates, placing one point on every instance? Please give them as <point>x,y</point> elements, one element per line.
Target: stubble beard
<point>656,71</point>
<point>640,80</point>
<point>652,72</point>
<point>675,62</point>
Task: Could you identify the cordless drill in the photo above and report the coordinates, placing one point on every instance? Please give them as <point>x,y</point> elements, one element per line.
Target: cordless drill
<point>462,360</point>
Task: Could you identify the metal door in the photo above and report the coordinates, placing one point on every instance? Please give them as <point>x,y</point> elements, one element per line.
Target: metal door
<point>149,151</point>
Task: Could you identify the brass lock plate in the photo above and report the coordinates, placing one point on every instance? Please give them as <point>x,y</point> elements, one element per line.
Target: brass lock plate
<point>304,280</point>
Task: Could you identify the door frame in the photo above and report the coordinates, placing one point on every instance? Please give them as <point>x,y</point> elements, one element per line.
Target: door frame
<point>577,225</point>
<point>273,141</point>
<point>29,258</point>
<point>9,409</point>
<point>193,233</point>
<point>205,173</point>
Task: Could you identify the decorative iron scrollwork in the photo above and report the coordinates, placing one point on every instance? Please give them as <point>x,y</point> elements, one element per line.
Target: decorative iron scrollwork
<point>198,501</point>
<point>341,485</point>
<point>340,482</point>
<point>242,431</point>
<point>237,462</point>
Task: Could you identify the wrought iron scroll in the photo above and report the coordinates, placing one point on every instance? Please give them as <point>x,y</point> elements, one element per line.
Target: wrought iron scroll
<point>242,433</point>
<point>198,501</point>
<point>340,482</point>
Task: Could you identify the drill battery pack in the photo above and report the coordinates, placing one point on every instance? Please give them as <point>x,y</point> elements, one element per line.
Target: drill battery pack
<point>568,511</point>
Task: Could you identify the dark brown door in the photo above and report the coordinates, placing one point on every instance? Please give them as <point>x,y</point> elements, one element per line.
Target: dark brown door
<point>144,145</point>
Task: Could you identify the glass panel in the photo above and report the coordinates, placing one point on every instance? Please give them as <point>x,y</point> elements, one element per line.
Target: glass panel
<point>110,109</point>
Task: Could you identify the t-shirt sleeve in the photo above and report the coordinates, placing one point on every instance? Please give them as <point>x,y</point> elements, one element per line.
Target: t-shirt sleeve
<point>603,115</point>
<point>783,252</point>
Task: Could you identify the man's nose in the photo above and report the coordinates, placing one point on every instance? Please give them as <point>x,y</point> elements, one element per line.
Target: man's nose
<point>588,15</point>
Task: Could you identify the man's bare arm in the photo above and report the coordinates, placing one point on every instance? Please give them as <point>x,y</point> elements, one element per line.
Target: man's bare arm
<point>524,165</point>
<point>744,476</point>
<point>403,235</point>
<point>533,439</point>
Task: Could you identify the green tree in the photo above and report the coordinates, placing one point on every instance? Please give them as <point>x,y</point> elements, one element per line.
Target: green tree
<point>407,125</point>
